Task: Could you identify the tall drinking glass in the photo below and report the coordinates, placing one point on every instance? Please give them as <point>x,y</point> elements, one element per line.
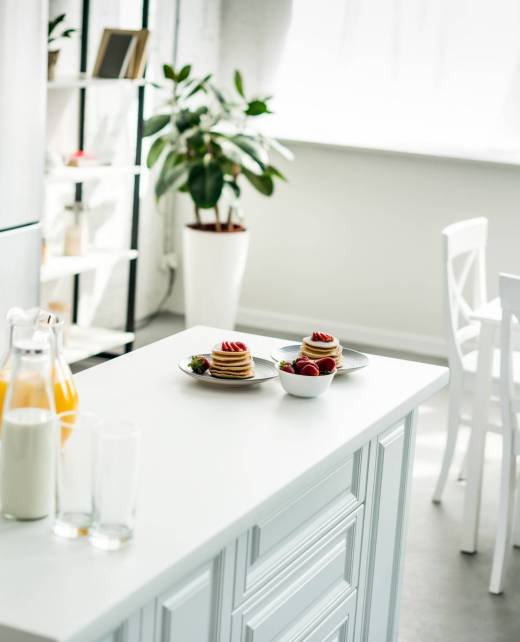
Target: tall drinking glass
<point>116,476</point>
<point>74,473</point>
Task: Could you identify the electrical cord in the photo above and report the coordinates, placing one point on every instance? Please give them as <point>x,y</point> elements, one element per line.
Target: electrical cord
<point>151,317</point>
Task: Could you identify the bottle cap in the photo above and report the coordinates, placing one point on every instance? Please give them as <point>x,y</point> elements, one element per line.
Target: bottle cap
<point>35,346</point>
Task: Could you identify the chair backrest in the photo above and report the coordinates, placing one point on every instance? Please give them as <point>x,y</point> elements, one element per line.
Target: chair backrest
<point>464,265</point>
<point>510,300</point>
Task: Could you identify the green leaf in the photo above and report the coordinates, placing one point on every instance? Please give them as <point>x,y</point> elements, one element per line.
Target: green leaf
<point>234,187</point>
<point>239,85</point>
<point>237,155</point>
<point>169,73</point>
<point>54,23</point>
<point>200,86</point>
<point>170,178</point>
<point>257,107</point>
<point>196,143</point>
<point>218,95</point>
<point>68,33</point>
<point>253,148</point>
<point>155,123</point>
<point>205,182</point>
<point>186,119</point>
<point>184,73</point>
<point>272,171</point>
<point>264,184</point>
<point>278,147</point>
<point>155,151</point>
<point>170,161</point>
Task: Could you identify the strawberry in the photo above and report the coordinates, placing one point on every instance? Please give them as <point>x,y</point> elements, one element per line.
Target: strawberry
<point>199,364</point>
<point>286,367</point>
<point>310,370</point>
<point>299,362</point>
<point>322,336</point>
<point>233,346</point>
<point>326,365</point>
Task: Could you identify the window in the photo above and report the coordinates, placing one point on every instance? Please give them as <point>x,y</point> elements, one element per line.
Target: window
<point>401,72</point>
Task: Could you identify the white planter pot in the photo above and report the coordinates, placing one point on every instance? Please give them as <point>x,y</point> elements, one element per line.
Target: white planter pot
<point>213,266</point>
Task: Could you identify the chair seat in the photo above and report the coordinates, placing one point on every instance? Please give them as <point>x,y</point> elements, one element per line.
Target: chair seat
<point>469,363</point>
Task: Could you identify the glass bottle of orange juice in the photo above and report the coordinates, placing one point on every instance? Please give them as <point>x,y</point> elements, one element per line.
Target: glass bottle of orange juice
<point>23,325</point>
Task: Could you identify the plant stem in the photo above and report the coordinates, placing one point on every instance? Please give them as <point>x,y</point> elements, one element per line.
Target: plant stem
<point>197,215</point>
<point>229,222</point>
<point>217,216</point>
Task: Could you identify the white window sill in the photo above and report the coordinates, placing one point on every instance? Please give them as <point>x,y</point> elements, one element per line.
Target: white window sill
<point>462,152</point>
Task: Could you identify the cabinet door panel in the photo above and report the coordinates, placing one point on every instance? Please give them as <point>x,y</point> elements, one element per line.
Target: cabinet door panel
<point>185,612</point>
<point>131,629</point>
<point>392,476</point>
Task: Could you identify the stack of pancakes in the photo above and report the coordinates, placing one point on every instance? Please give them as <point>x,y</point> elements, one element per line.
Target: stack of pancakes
<point>318,349</point>
<point>226,364</point>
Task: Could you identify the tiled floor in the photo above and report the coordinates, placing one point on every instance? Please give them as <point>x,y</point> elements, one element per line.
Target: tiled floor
<point>445,597</point>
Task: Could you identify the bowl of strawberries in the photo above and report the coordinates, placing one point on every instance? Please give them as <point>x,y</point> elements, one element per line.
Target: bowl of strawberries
<point>306,377</point>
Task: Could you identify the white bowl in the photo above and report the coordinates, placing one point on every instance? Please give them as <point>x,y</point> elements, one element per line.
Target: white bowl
<point>303,385</point>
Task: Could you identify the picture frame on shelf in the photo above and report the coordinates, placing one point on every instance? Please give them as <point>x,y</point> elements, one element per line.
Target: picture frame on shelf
<point>114,53</point>
<point>138,60</point>
<point>122,53</point>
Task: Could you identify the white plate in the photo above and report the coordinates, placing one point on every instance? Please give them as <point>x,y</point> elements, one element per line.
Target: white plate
<point>265,370</point>
<point>352,360</point>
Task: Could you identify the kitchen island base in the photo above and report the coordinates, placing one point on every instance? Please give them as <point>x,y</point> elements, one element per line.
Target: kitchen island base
<point>323,566</point>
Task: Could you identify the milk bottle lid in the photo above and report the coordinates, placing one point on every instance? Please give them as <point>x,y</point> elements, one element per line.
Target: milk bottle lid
<point>38,345</point>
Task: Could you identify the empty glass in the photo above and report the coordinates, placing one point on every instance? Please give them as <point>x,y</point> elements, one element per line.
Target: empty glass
<point>74,473</point>
<point>116,474</point>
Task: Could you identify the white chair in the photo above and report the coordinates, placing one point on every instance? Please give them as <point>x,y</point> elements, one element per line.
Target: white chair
<point>464,275</point>
<point>510,406</point>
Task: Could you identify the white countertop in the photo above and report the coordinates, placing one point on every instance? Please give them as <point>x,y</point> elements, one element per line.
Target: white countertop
<point>213,459</point>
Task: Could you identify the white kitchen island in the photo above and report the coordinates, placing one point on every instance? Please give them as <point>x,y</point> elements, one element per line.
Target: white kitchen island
<point>261,517</point>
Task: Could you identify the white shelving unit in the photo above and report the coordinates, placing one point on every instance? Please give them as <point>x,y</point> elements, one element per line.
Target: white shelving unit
<point>58,267</point>
<point>84,342</point>
<point>82,81</point>
<point>85,174</point>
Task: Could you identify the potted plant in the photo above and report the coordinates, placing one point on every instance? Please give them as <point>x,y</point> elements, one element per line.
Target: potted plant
<point>205,147</point>
<point>52,36</point>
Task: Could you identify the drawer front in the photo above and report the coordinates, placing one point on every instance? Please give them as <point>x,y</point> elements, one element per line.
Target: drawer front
<point>279,539</point>
<point>336,625</point>
<point>307,601</point>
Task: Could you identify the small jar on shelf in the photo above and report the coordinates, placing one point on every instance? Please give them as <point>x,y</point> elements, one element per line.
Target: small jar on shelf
<point>76,231</point>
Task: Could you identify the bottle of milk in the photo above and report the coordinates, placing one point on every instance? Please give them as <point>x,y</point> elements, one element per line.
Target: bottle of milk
<point>29,438</point>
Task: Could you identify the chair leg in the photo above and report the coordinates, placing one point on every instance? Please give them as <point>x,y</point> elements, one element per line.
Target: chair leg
<point>504,523</point>
<point>463,472</point>
<point>516,519</point>
<point>456,391</point>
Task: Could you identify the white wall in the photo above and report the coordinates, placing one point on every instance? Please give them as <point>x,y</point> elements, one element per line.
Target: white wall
<point>353,241</point>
